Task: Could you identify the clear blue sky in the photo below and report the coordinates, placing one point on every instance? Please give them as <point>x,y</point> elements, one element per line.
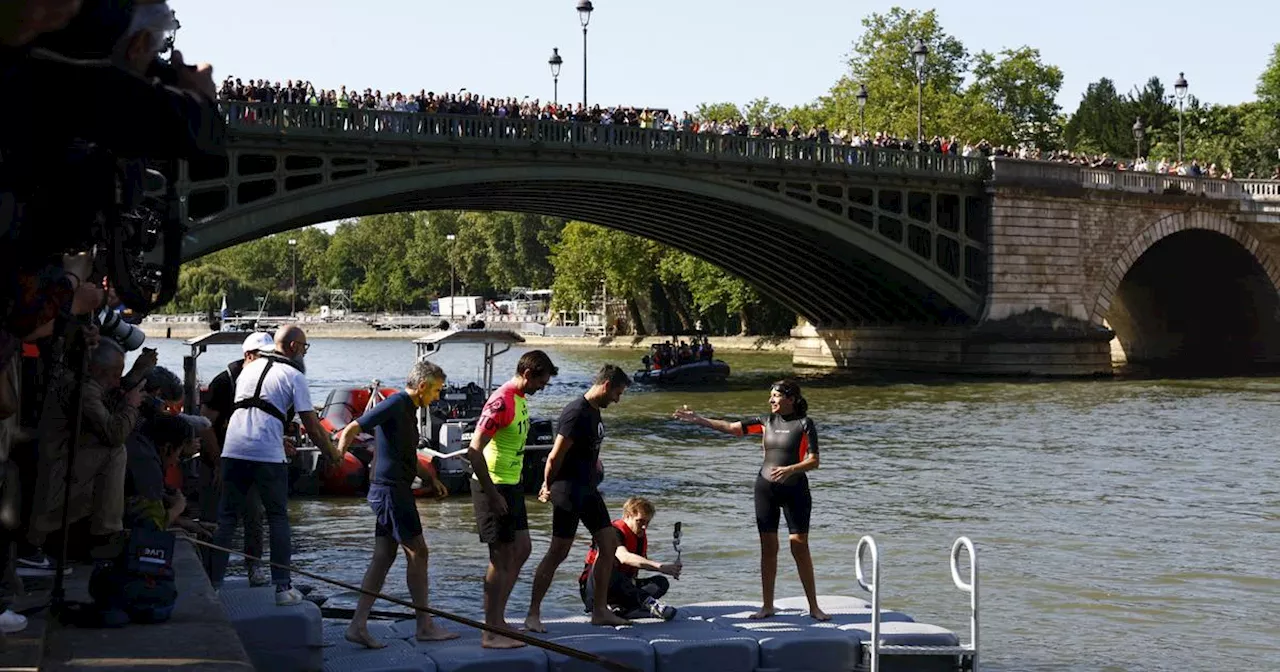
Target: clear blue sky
<point>677,54</point>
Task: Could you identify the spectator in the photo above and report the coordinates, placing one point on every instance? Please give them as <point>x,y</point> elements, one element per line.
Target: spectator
<point>109,415</point>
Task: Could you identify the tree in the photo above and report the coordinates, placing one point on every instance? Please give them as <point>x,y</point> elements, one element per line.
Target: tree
<point>718,112</point>
<point>1269,84</point>
<point>1102,123</point>
<point>762,112</point>
<point>881,58</point>
<point>717,295</point>
<point>588,255</point>
<point>1022,91</point>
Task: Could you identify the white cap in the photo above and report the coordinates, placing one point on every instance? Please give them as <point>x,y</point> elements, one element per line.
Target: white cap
<point>259,341</point>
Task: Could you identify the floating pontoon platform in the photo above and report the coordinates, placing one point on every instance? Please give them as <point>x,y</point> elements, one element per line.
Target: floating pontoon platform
<point>705,637</point>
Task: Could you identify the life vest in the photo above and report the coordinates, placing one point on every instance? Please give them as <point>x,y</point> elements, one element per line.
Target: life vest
<point>630,541</point>
<point>256,401</point>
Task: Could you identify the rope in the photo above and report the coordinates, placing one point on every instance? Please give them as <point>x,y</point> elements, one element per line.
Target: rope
<point>585,656</point>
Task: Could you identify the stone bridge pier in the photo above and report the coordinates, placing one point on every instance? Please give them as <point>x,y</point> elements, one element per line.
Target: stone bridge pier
<point>1095,270</point>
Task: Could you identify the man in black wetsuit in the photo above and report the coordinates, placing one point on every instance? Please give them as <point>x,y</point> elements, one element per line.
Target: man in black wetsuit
<point>790,442</point>
<point>570,484</point>
<point>395,465</point>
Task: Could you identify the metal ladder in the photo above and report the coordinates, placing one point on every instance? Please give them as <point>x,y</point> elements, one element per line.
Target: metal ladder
<point>878,648</point>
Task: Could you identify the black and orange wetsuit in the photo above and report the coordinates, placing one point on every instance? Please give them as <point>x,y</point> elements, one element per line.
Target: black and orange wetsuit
<point>787,440</point>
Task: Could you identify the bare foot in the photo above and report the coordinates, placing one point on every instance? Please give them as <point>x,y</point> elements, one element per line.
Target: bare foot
<point>764,612</point>
<point>491,641</point>
<point>608,618</point>
<point>434,633</point>
<point>533,623</point>
<point>818,614</point>
<point>362,637</point>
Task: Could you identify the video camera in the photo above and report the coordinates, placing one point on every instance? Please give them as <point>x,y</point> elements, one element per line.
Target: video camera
<point>77,196</point>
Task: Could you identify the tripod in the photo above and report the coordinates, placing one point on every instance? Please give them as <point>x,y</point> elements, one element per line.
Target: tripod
<point>79,355</point>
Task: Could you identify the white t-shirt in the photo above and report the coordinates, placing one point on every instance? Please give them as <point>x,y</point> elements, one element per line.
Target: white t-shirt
<point>253,434</point>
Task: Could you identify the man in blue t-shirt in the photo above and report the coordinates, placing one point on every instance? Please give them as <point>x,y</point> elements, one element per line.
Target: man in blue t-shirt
<point>394,422</point>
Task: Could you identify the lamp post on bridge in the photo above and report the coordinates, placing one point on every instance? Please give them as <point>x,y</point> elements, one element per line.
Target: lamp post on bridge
<point>1180,91</point>
<point>920,53</point>
<point>584,16</point>
<point>450,237</point>
<point>1138,131</point>
<point>555,62</point>
<point>293,283</point>
<point>862,111</point>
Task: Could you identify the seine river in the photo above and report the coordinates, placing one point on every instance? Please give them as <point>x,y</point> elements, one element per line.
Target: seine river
<point>1121,525</point>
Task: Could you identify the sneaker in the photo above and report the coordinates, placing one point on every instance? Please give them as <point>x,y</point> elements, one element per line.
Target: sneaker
<point>37,560</point>
<point>287,596</point>
<point>11,622</point>
<point>660,610</point>
<point>259,576</point>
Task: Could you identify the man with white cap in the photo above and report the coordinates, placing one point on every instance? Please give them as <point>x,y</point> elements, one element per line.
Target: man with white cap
<point>217,408</point>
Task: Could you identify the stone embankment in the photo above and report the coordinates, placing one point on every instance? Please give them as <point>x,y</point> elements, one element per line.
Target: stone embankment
<point>185,330</point>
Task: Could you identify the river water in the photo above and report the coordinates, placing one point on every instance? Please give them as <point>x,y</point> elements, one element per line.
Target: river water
<point>1120,525</point>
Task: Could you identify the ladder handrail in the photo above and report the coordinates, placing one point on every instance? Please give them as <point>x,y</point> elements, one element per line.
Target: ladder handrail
<point>867,542</point>
<point>971,587</point>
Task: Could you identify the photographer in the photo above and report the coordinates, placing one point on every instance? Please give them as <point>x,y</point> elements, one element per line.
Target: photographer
<point>109,414</point>
<point>59,173</point>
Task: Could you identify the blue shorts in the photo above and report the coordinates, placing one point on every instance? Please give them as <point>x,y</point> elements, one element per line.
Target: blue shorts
<point>396,511</point>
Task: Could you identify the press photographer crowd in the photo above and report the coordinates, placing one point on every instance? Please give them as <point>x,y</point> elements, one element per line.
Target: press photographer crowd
<point>90,236</point>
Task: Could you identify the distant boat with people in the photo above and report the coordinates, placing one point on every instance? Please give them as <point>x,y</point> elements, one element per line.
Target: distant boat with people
<point>690,362</point>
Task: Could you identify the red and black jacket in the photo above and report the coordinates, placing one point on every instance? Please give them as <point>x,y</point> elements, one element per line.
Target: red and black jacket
<point>632,542</point>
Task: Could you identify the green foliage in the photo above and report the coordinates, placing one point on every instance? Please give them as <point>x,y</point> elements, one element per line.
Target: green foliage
<point>1021,90</point>
<point>400,261</point>
<point>1269,84</point>
<point>1102,124</point>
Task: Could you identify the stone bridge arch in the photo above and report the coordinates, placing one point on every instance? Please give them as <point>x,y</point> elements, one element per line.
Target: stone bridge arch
<point>818,263</point>
<point>1193,291</point>
<point>1172,224</point>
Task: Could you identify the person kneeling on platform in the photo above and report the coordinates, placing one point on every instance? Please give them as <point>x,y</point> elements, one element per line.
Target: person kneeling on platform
<point>629,595</point>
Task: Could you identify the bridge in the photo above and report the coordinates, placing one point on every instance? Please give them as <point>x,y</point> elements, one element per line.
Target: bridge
<point>901,260</point>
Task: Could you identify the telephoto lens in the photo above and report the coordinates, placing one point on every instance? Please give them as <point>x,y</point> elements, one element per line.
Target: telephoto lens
<point>128,336</point>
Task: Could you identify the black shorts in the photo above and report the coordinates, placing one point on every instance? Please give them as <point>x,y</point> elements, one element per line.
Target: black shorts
<point>495,529</point>
<point>572,502</point>
<point>791,499</point>
<point>395,511</point>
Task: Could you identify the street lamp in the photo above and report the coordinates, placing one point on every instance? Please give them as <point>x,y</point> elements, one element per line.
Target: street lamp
<point>555,62</point>
<point>450,237</point>
<point>862,111</point>
<point>920,53</point>
<point>584,15</point>
<point>293,300</point>
<point>1180,90</point>
<point>1138,131</point>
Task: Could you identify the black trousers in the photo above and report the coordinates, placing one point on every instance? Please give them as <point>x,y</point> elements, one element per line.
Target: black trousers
<point>625,593</point>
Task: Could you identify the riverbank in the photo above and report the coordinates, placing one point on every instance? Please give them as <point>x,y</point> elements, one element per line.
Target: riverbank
<point>186,330</point>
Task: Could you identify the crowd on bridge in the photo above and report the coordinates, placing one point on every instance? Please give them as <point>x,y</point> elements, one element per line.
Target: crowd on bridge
<point>466,103</point>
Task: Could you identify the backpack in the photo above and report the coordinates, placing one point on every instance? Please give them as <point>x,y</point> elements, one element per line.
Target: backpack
<point>139,585</point>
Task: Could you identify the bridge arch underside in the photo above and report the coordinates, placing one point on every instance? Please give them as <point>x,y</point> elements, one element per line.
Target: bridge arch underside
<point>824,278</point>
<point>1197,302</point>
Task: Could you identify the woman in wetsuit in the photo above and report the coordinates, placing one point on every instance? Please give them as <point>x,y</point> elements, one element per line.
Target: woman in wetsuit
<point>782,486</point>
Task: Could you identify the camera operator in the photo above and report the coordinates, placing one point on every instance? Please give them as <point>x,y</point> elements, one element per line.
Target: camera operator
<point>58,164</point>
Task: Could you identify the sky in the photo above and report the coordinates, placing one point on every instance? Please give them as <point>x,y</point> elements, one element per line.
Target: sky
<point>676,55</point>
